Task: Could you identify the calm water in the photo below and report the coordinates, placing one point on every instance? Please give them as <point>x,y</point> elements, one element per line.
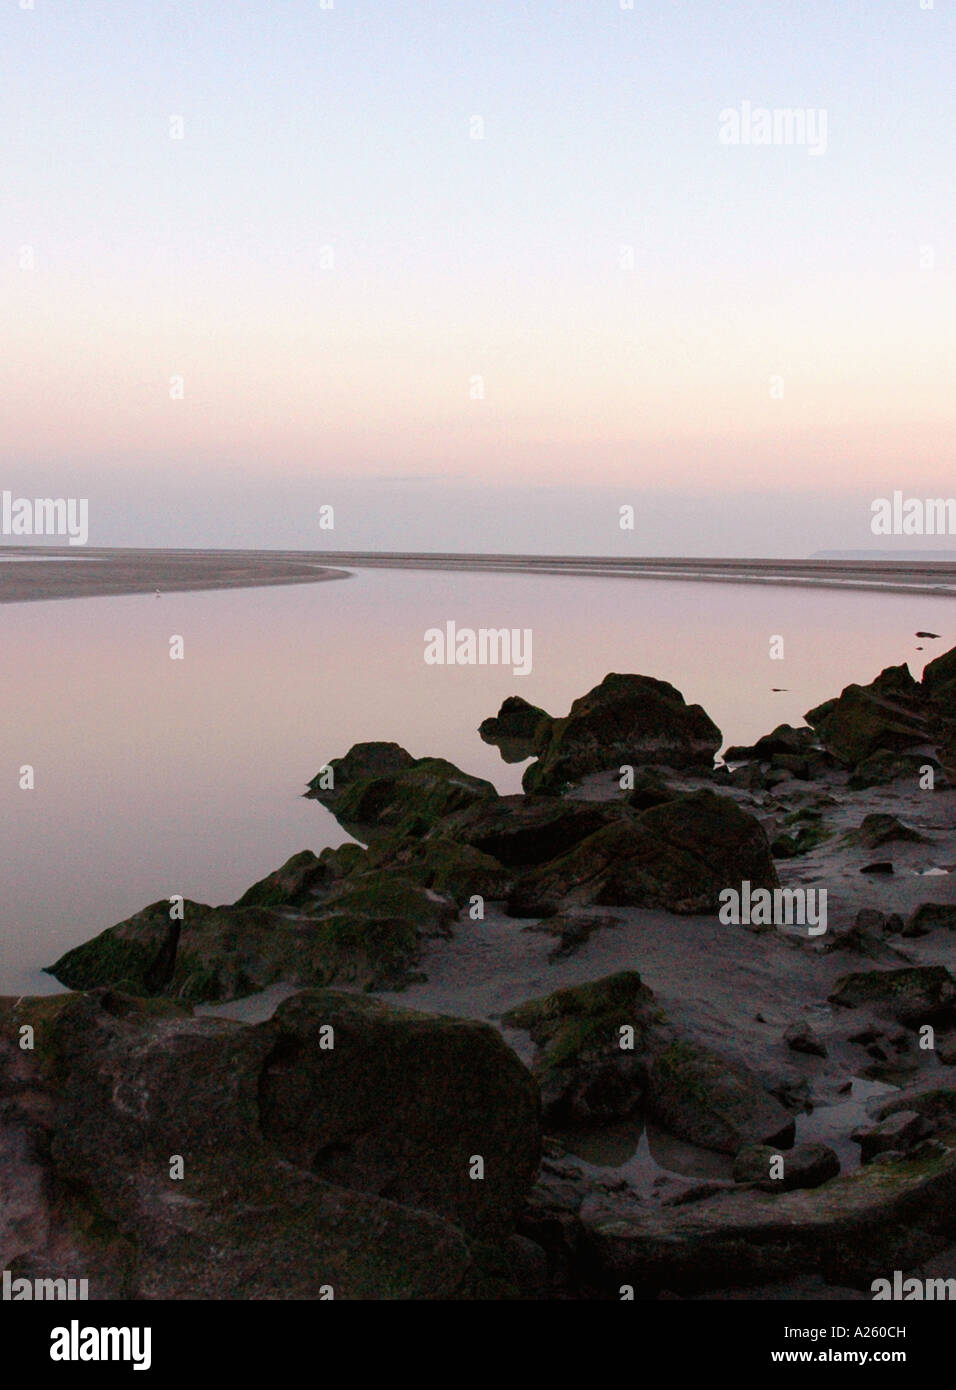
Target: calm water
<point>156,776</point>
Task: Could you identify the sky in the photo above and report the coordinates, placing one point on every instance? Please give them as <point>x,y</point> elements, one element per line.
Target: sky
<point>478,274</point>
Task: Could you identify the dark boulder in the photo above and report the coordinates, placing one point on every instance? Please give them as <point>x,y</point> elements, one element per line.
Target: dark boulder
<point>913,995</point>
<point>627,720</point>
<point>517,730</point>
<point>366,930</point>
<point>399,1106</point>
<point>592,1042</point>
<point>807,1165</point>
<point>406,798</point>
<point>678,856</point>
<point>705,1099</point>
<point>882,829</point>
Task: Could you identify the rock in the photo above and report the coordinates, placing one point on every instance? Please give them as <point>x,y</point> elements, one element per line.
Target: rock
<point>115,1087</point>
<point>882,768</point>
<point>850,1230</point>
<point>883,716</point>
<point>528,1265</point>
<point>367,930</point>
<point>649,790</point>
<point>818,716</point>
<point>897,1133</point>
<point>678,856</point>
<point>399,1105</point>
<point>524,905</point>
<point>947,758</point>
<point>800,1037</point>
<point>408,798</point>
<point>751,777</point>
<point>138,953</point>
<point>913,995</point>
<point>804,769</point>
<point>707,1100</point>
<point>865,936</point>
<point>868,929</point>
<point>806,830</point>
<point>445,866</point>
<point>522,831</point>
<point>517,730</point>
<point>881,829</point>
<point>807,1165</point>
<point>627,720</point>
<point>939,681</point>
<point>784,741</point>
<point>298,881</point>
<point>936,1104</point>
<point>929,917</point>
<point>364,760</point>
<point>586,1076</point>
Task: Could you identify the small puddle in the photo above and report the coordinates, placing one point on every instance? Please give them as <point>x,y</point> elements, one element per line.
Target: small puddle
<point>833,1124</point>
<point>639,1151</point>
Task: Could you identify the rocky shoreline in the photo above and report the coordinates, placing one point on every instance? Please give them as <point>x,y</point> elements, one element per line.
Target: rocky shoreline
<point>519,1050</point>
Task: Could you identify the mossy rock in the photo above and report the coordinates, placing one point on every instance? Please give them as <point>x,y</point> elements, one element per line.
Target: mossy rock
<point>586,1075</point>
<point>891,1214</point>
<point>678,856</point>
<point>882,768</point>
<point>138,953</point>
<point>707,1100</point>
<point>446,866</point>
<point>913,995</point>
<point>137,1081</point>
<point>939,681</point>
<point>885,716</point>
<point>367,930</point>
<point>407,801</point>
<point>400,1105</point>
<point>525,831</point>
<point>302,879</point>
<point>518,730</point>
<point>626,720</point>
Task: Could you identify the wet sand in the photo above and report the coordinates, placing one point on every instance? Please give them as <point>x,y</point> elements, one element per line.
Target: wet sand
<point>928,576</point>
<point>31,573</point>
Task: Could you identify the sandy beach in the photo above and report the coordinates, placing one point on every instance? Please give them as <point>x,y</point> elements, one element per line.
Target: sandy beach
<point>29,574</point>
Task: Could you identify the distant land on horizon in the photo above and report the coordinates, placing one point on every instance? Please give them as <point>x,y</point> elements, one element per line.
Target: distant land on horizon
<point>909,555</point>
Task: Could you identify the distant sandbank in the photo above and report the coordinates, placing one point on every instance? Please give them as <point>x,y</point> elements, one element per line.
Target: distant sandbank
<point>104,573</point>
<point>112,572</point>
